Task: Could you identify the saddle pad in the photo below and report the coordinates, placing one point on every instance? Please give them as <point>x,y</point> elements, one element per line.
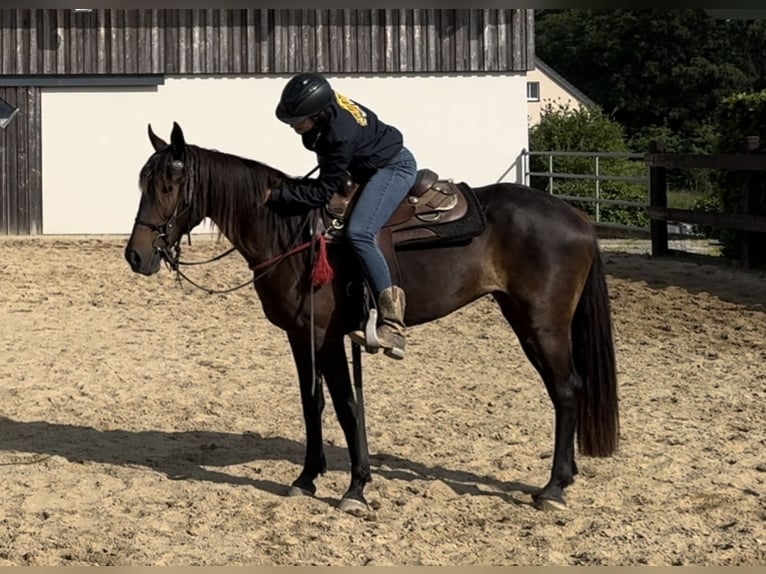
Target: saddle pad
<point>439,234</point>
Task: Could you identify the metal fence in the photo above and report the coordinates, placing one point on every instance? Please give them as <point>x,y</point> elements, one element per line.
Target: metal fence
<point>597,177</point>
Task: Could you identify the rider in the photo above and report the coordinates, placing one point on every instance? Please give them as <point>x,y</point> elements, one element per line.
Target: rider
<point>348,137</point>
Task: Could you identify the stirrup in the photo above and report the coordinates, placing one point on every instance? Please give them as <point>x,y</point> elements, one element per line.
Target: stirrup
<point>368,337</point>
<point>372,344</point>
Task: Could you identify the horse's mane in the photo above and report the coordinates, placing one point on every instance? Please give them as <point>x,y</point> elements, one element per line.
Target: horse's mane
<point>229,189</point>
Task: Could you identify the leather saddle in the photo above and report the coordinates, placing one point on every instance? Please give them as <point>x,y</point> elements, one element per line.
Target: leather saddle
<point>431,201</point>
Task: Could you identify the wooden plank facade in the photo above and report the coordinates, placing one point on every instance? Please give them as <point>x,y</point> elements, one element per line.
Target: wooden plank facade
<point>266,41</point>
<point>21,165</point>
<point>39,45</point>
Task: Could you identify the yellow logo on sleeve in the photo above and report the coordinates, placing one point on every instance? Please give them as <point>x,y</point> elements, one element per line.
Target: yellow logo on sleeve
<point>352,107</point>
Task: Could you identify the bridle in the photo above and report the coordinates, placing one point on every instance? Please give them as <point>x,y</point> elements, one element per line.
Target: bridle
<point>170,253</point>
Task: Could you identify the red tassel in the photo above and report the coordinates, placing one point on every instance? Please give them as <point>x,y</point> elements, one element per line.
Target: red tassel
<point>322,273</point>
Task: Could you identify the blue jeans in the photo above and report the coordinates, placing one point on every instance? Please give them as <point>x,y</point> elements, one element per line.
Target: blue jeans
<point>379,199</point>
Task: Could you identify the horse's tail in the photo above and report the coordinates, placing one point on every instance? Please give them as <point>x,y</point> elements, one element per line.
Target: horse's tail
<point>593,354</point>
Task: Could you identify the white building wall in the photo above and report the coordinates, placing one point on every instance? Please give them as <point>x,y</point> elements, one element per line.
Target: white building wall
<point>469,128</point>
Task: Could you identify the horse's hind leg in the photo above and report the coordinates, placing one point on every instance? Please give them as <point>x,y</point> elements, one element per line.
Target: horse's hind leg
<point>312,399</point>
<point>334,366</point>
<point>545,340</point>
<point>562,384</point>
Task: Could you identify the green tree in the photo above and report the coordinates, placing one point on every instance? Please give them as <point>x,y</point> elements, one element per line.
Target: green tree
<point>654,69</point>
<point>588,130</point>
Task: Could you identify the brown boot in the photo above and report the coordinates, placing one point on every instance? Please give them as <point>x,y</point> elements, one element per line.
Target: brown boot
<point>391,331</point>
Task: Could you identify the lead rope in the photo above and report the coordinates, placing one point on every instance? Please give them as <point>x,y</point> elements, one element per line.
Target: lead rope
<point>316,379</point>
<point>316,376</point>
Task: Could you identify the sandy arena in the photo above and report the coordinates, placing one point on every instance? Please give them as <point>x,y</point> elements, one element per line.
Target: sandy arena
<point>147,424</point>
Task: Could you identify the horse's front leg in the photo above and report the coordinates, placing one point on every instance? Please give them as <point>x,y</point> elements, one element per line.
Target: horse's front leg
<point>312,399</point>
<point>334,366</point>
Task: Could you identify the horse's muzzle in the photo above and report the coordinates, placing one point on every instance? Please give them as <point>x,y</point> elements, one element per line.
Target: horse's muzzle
<point>143,265</point>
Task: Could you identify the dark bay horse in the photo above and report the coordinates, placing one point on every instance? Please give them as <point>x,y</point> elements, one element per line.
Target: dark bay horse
<point>538,258</point>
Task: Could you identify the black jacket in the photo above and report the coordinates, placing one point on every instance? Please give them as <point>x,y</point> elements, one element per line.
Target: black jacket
<point>353,140</point>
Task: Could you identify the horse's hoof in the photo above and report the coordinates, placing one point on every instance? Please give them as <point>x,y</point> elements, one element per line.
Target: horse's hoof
<point>549,504</point>
<point>353,507</point>
<point>298,491</point>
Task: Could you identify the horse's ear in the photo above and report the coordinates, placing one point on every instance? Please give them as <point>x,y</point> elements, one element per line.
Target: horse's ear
<point>157,142</point>
<point>177,141</point>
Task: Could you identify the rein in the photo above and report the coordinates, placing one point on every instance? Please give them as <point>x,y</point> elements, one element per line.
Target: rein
<point>266,267</point>
<point>171,255</point>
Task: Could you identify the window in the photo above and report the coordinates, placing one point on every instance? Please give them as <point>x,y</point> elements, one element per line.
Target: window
<point>7,112</point>
<point>533,91</point>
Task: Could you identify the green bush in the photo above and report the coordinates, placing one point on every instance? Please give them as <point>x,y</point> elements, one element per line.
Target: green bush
<point>737,117</point>
<point>588,130</point>
<point>697,181</point>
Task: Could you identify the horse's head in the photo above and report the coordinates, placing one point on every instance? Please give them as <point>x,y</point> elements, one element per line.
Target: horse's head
<point>166,210</point>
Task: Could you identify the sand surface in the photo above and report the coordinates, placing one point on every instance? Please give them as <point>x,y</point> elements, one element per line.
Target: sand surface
<point>146,424</point>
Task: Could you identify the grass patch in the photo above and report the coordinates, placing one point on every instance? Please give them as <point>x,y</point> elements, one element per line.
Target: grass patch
<point>683,199</point>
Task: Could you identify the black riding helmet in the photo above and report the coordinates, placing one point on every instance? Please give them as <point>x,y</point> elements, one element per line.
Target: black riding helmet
<point>304,96</point>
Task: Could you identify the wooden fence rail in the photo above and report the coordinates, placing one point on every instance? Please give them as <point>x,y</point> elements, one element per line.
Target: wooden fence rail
<point>749,221</point>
